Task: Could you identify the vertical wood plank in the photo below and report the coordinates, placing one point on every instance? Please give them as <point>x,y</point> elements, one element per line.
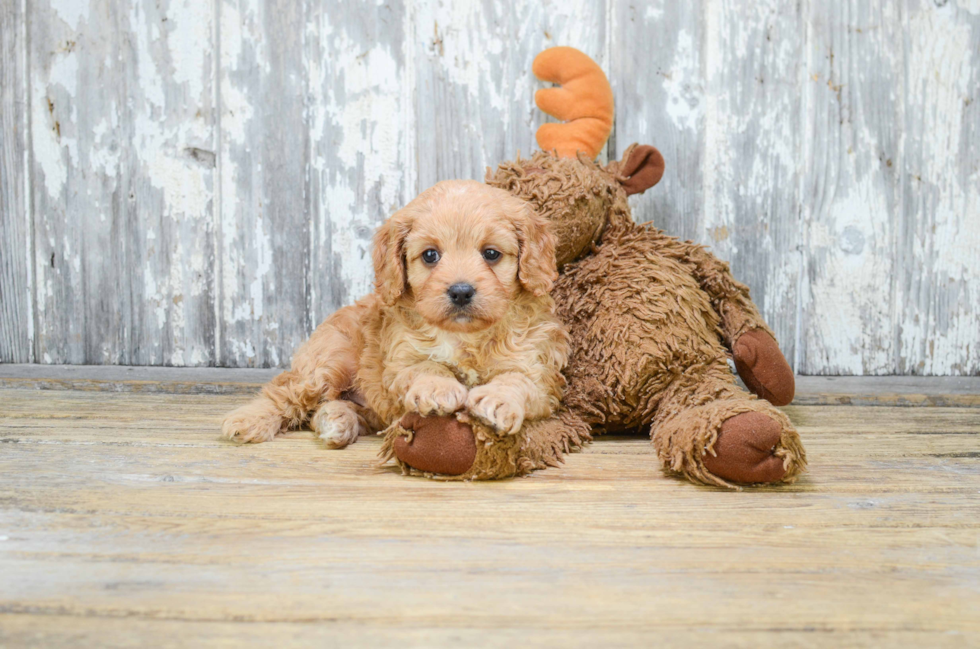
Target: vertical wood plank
<point>474,85</point>
<point>16,285</point>
<point>657,76</point>
<point>361,124</point>
<point>122,181</point>
<point>938,252</point>
<point>753,57</point>
<point>716,88</point>
<point>851,196</point>
<point>264,230</point>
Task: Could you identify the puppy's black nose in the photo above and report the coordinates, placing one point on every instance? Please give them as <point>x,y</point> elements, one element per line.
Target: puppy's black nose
<point>461,293</point>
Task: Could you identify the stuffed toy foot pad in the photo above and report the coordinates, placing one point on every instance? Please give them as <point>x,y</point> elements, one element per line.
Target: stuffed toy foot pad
<point>441,445</point>
<point>744,450</point>
<point>460,448</point>
<point>763,367</point>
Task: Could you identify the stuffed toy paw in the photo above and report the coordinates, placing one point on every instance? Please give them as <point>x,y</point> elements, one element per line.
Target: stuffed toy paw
<point>763,367</point>
<point>745,450</point>
<point>442,445</point>
<point>459,447</point>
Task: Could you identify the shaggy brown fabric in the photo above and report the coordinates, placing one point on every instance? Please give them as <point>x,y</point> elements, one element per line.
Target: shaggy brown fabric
<point>572,194</point>
<point>763,367</point>
<point>692,412</point>
<point>539,444</point>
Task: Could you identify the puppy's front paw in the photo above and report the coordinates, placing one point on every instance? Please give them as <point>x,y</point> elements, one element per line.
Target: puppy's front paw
<point>251,424</point>
<point>497,407</point>
<point>435,395</point>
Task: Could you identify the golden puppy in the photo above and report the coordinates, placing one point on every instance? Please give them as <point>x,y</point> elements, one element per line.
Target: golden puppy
<point>460,318</point>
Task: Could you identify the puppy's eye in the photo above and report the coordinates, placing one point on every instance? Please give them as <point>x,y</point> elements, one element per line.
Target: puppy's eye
<point>430,256</point>
<point>491,255</point>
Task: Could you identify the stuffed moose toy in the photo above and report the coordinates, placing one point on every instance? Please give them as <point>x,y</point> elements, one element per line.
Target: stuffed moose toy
<point>653,322</point>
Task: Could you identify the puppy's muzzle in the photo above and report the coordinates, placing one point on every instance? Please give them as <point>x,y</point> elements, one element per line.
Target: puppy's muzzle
<point>461,294</point>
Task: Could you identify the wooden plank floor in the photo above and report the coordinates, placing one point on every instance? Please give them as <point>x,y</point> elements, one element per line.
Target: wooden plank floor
<point>125,521</point>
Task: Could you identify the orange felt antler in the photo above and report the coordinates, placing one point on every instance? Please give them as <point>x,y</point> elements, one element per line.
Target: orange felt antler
<point>584,102</point>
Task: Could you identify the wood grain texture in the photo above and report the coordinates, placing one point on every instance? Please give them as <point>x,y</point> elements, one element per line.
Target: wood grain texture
<point>751,151</point>
<point>123,164</point>
<point>936,259</point>
<point>264,241</point>
<point>852,190</point>
<point>124,517</point>
<point>361,124</point>
<point>64,630</point>
<point>16,300</point>
<point>717,88</point>
<point>658,81</point>
<point>200,181</point>
<point>890,198</point>
<point>905,391</point>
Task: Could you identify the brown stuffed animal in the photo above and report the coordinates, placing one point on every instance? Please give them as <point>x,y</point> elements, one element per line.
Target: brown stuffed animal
<point>652,321</point>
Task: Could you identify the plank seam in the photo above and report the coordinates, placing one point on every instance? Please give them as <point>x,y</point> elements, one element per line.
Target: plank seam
<point>800,190</point>
<point>217,267</point>
<point>312,219</point>
<point>899,216</point>
<point>307,319</point>
<point>28,184</point>
<point>411,110</point>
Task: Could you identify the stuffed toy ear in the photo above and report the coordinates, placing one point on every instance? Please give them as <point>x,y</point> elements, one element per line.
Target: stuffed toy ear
<point>537,269</point>
<point>642,168</point>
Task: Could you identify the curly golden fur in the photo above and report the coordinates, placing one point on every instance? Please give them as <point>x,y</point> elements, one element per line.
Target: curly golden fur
<point>460,319</point>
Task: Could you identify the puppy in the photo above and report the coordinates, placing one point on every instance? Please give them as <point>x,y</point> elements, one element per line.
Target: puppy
<point>460,319</point>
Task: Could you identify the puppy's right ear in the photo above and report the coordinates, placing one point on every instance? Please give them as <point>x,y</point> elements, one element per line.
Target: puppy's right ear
<point>389,258</point>
<point>536,266</point>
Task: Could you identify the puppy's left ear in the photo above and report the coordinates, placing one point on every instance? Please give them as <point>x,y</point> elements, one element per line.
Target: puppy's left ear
<point>536,266</point>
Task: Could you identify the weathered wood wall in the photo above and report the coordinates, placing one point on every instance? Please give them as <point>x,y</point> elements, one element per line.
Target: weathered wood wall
<point>196,183</point>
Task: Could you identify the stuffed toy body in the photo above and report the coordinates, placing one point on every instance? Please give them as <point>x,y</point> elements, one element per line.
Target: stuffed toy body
<point>653,322</point>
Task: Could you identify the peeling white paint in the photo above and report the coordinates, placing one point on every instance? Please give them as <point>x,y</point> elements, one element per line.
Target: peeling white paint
<point>683,86</point>
<point>184,44</point>
<point>939,335</point>
<point>53,148</point>
<point>851,293</point>
<point>361,102</point>
<point>972,6</point>
<point>119,207</point>
<point>448,31</point>
<point>828,155</point>
<point>653,12</point>
<point>263,262</point>
<point>70,11</point>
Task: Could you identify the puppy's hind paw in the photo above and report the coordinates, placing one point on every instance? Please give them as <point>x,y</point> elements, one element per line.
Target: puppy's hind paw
<point>338,424</point>
<point>248,425</point>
